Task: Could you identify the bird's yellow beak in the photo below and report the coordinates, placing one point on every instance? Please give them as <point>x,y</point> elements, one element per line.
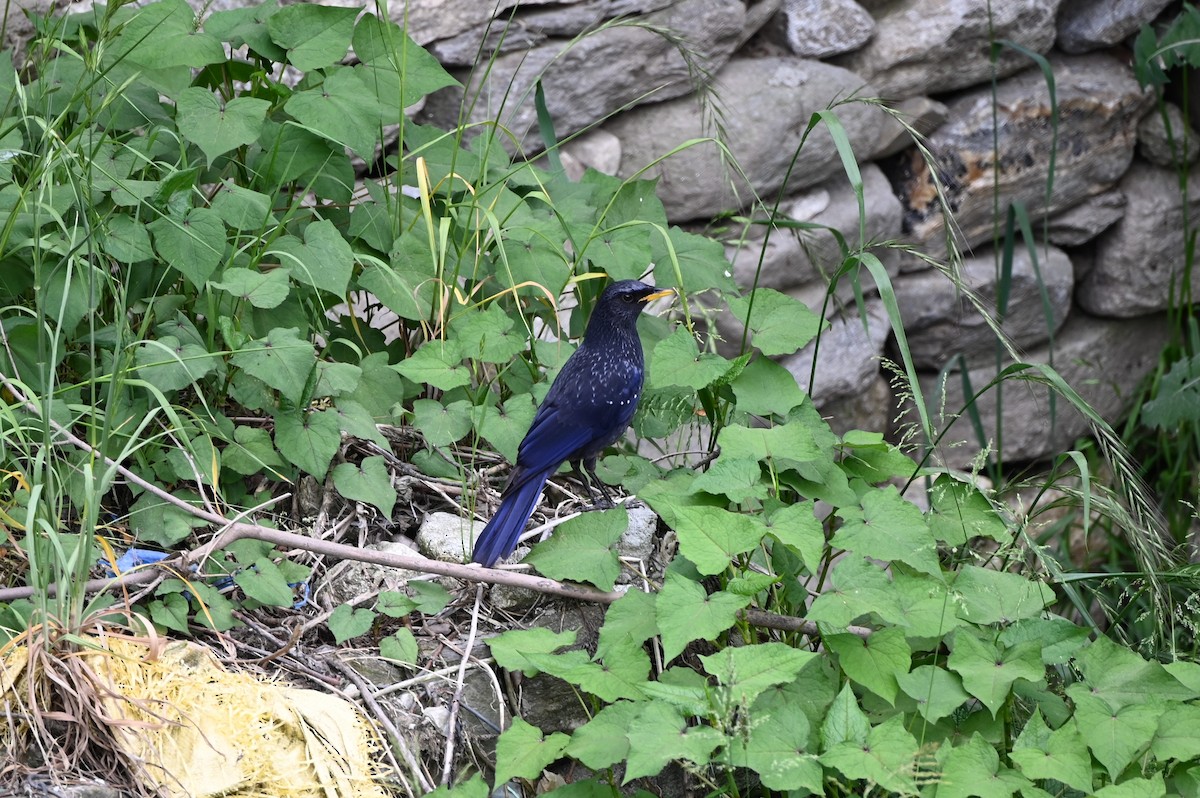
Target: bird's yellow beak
<point>659,294</point>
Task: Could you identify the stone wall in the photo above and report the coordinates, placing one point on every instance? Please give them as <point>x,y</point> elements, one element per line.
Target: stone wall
<point>1110,242</point>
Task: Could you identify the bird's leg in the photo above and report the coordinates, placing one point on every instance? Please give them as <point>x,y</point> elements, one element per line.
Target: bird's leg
<point>590,465</point>
<point>578,472</point>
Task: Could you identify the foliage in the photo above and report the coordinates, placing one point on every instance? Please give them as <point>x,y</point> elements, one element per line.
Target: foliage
<point>183,229</point>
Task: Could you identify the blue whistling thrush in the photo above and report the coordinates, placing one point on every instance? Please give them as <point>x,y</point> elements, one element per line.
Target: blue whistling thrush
<point>587,409</point>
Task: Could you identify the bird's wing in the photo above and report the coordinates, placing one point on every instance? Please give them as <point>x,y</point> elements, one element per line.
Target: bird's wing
<point>556,434</point>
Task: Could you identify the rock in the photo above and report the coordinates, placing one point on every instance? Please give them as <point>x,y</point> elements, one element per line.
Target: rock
<point>1099,105</point>
<point>821,28</point>
<point>638,540</point>
<point>922,114</point>
<point>530,27</point>
<point>766,104</point>
<point>447,537</point>
<point>352,579</point>
<point>1102,359</point>
<point>796,258</point>
<point>1082,223</point>
<point>596,149</point>
<point>870,410</point>
<point>758,14</point>
<point>932,46</point>
<point>1085,25</point>
<point>588,78</point>
<point>940,322</point>
<point>848,358</point>
<point>1158,146</point>
<point>428,20</point>
<point>1139,260</point>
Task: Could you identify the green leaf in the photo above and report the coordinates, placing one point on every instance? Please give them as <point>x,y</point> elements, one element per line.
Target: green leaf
<point>1153,787</point>
<point>710,537</point>
<point>399,69</point>
<point>764,387</point>
<point>785,444</point>
<point>677,360</point>
<point>583,549</point>
<point>283,360</point>
<point>1115,736</point>
<point>400,647</point>
<point>1176,737</point>
<point>959,512</point>
<point>193,245</point>
<point>163,35</point>
<point>157,522</point>
<point>856,588</point>
<point>1177,396</point>
<point>436,363</point>
<point>988,673</point>
<point>601,742</point>
<point>171,365</point>
<point>251,452</point>
<point>354,420</point>
<point>660,734</point>
<point>780,325</point>
<point>346,622</point>
<point>343,109</point>
<point>1060,754</point>
<point>737,480</point>
<point>875,662</point>
<point>687,613</point>
<point>522,752</point>
<point>314,36</point>
<point>937,691</point>
<point>990,596</point>
<point>337,379</point>
<point>261,289</point>
<point>796,526</point>
<point>924,606</point>
<point>974,770</point>
<point>368,482</point>
<point>247,26</point>
<point>701,262</point>
<point>324,260</point>
<point>215,129</point>
<point>309,440</point>
<point>746,671</point>
<point>505,425</point>
<point>632,617</point>
<point>126,240</point>
<point>888,528</point>
<point>1057,638</point>
<point>845,721</point>
<point>170,612</point>
<point>624,670</point>
<point>265,583</point>
<point>775,751</point>
<point>487,336</point>
<point>1122,677</point>
<point>406,287</point>
<point>887,757</point>
<point>242,208</point>
<point>442,425</point>
<point>215,610</point>
<point>512,650</point>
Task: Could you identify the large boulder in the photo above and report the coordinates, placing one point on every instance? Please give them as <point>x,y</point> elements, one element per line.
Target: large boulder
<point>1087,25</point>
<point>1102,359</point>
<point>764,106</point>
<point>821,28</point>
<point>932,46</point>
<point>1139,261</point>
<point>586,79</point>
<point>1002,143</point>
<point>941,322</point>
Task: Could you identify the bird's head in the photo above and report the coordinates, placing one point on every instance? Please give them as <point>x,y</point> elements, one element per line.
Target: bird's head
<point>622,302</point>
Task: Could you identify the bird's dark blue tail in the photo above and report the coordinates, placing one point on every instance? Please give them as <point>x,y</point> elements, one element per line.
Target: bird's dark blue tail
<point>499,538</point>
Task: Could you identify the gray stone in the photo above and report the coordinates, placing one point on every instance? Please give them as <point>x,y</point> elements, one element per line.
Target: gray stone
<point>848,357</point>
<point>1080,224</point>
<point>1099,104</point>
<point>352,579</point>
<point>758,14</point>
<point>765,105</point>
<point>940,322</point>
<point>821,28</point>
<point>528,28</point>
<point>596,149</point>
<point>1089,25</point>
<point>931,46</point>
<point>588,78</point>
<point>1102,359</point>
<point>448,537</point>
<point>1161,140</point>
<point>1139,259</point>
<point>639,538</point>
<point>922,114</point>
<point>795,258</point>
<point>870,410</point>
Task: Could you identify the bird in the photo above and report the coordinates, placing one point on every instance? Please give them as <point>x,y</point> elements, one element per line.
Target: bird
<point>588,407</point>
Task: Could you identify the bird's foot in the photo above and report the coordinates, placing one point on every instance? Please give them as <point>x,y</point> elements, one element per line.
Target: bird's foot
<point>603,503</point>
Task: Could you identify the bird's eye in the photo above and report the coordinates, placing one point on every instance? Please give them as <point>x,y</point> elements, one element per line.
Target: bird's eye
<point>627,298</point>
